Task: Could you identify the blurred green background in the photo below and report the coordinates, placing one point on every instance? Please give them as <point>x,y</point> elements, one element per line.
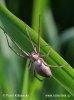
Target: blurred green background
<point>57,29</point>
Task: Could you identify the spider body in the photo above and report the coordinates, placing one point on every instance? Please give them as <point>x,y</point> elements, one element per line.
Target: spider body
<point>39,65</point>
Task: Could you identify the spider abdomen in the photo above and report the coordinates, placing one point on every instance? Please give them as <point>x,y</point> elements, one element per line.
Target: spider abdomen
<point>42,69</point>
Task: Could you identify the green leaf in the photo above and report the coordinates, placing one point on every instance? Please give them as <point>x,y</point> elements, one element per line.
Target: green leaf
<point>25,83</point>
<point>67,35</point>
<point>17,30</point>
<point>38,10</point>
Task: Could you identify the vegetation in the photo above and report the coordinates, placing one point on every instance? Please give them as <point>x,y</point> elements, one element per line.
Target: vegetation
<point>15,78</point>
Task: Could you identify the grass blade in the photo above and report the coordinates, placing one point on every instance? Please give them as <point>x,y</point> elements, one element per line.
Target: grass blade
<point>16,29</point>
<point>25,83</point>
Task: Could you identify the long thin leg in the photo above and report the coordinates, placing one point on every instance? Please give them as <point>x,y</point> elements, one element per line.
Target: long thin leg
<point>46,55</point>
<point>12,48</point>
<point>17,46</point>
<point>55,66</point>
<point>39,37</point>
<point>31,41</point>
<point>30,65</point>
<point>36,76</point>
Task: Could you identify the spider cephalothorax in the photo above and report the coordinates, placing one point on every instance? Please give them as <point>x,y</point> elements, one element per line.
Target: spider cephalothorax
<point>34,56</point>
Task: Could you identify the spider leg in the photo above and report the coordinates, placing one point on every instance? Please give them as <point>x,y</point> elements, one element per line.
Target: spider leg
<point>46,55</point>
<point>51,66</point>
<point>12,48</point>
<point>38,37</point>
<point>30,64</point>
<point>31,41</point>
